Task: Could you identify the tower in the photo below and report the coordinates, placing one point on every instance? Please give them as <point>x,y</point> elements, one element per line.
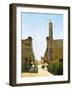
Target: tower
<point>48,56</point>
<point>50,51</point>
<point>50,29</point>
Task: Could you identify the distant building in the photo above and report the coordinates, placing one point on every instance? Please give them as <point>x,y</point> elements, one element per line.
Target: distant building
<point>54,50</point>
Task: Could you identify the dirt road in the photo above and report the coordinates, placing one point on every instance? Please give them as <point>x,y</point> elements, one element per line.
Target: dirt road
<point>41,72</point>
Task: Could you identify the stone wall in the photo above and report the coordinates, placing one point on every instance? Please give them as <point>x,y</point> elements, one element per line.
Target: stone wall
<point>27,54</point>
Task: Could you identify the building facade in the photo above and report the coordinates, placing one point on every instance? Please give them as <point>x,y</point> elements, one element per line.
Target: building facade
<point>28,58</point>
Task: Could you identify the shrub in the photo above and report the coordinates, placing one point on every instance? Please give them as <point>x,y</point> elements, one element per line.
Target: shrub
<point>56,68</point>
<point>25,67</point>
<point>30,69</point>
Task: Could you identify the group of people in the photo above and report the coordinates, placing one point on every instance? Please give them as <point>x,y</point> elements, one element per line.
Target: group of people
<point>44,66</point>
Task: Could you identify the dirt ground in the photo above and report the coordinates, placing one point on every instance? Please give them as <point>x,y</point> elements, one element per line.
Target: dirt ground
<point>41,72</point>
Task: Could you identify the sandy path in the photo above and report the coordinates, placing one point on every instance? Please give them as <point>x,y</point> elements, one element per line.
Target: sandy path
<point>41,72</point>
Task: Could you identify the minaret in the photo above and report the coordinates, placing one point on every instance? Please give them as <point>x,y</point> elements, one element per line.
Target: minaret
<point>50,29</point>
<point>50,50</point>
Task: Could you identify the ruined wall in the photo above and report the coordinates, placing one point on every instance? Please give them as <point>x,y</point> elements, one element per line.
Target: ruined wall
<point>57,51</point>
<point>27,53</point>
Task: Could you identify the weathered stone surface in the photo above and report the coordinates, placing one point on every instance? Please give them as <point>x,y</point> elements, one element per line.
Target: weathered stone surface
<point>54,50</point>
<point>28,58</point>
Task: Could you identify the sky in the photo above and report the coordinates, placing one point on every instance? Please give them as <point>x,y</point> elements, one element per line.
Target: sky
<point>36,26</point>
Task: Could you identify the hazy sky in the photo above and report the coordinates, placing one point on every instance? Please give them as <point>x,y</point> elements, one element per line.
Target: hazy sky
<point>36,26</point>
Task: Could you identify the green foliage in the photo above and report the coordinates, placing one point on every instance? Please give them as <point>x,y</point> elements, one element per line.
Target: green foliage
<point>28,68</point>
<point>25,67</point>
<point>33,69</point>
<point>56,68</point>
